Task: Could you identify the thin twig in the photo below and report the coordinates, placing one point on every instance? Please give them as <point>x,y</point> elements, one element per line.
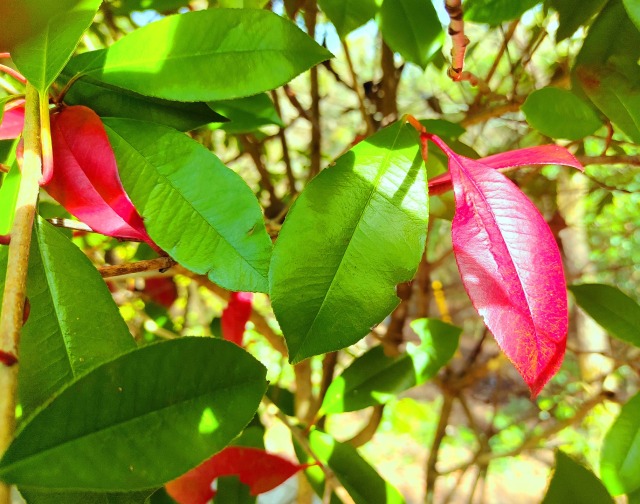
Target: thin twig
<point>285,148</point>
<point>158,264</point>
<point>357,89</point>
<point>13,302</point>
<point>13,73</point>
<point>293,99</point>
<point>310,16</point>
<point>431,470</point>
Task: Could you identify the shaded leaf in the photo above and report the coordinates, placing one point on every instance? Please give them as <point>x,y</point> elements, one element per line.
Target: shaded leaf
<point>357,476</point>
<point>411,28</point>
<point>245,52</point>
<point>235,316</point>
<point>67,332</point>
<point>107,100</point>
<point>572,483</point>
<point>85,177</point>
<point>375,378</point>
<point>231,490</point>
<point>347,15</point>
<point>611,308</point>
<point>615,95</point>
<point>260,470</point>
<point>355,232</point>
<point>633,11</point>
<point>247,114</point>
<point>510,267</point>
<point>558,113</point>
<point>494,12</point>
<point>40,497</point>
<point>124,7</point>
<point>620,453</point>
<point>283,399</point>
<point>12,120</point>
<point>573,14</point>
<point>42,56</point>
<point>215,225</point>
<point>146,426</point>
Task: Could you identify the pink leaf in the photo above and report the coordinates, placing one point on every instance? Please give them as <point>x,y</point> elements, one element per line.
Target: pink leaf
<point>256,468</point>
<point>13,120</point>
<point>235,316</point>
<point>509,261</point>
<point>540,155</point>
<point>162,290</point>
<point>85,177</point>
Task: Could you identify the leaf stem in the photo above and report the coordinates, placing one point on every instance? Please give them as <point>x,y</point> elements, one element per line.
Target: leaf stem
<point>13,73</point>
<point>16,276</point>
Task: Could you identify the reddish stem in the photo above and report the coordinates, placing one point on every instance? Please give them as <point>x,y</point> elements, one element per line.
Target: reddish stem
<point>13,73</point>
<point>5,239</point>
<point>5,55</point>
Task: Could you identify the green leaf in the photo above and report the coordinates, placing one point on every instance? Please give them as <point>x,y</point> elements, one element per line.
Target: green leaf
<point>125,7</point>
<point>615,95</point>
<point>9,197</point>
<point>242,4</point>
<point>347,15</point>
<point>558,113</point>
<point>214,226</point>
<point>612,41</point>
<point>357,476</point>
<point>620,453</point>
<point>411,28</point>
<point>375,378</point>
<point>247,114</point>
<point>574,14</point>
<point>145,418</point>
<point>40,497</point>
<point>611,308</point>
<point>572,483</point>
<point>41,57</point>
<point>111,101</point>
<point>633,10</point>
<point>67,332</point>
<point>494,12</point>
<point>354,233</point>
<point>634,497</point>
<point>234,59</point>
<point>229,489</point>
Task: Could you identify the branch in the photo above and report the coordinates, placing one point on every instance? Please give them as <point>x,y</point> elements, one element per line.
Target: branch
<point>310,15</point>
<point>431,470</point>
<point>285,147</point>
<point>609,160</point>
<point>160,264</point>
<point>13,302</point>
<point>357,89</point>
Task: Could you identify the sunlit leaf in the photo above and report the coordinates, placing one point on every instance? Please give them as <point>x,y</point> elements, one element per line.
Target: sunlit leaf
<point>347,15</point>
<point>572,483</point>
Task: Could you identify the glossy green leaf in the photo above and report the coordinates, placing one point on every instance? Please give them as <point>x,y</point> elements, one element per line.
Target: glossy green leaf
<point>229,489</point>
<point>67,332</point>
<point>574,14</point>
<point>8,197</point>
<point>620,454</point>
<point>411,28</point>
<point>214,226</point>
<point>146,417</point>
<point>611,308</point>
<point>241,4</point>
<point>355,232</point>
<point>633,10</point>
<point>41,497</point>
<point>601,49</point>
<point>615,95</point>
<point>41,57</point>
<point>558,113</point>
<point>247,114</point>
<point>572,483</point>
<point>347,15</point>
<point>494,12</point>
<point>375,378</point>
<point>240,52</point>
<point>111,101</point>
<point>357,476</point>
<point>124,7</point>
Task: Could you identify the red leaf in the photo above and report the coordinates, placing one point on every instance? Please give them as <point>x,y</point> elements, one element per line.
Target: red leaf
<point>162,290</point>
<point>85,176</point>
<point>256,468</point>
<point>509,261</point>
<point>13,120</point>
<point>540,155</point>
<point>235,316</point>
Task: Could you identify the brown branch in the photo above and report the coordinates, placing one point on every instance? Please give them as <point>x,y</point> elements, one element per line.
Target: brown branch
<point>609,160</point>
<point>13,302</point>
<point>259,322</point>
<point>491,113</point>
<point>357,89</point>
<point>285,147</point>
<point>367,432</point>
<point>432,460</point>
<point>310,15</point>
<point>160,264</point>
<point>293,99</point>
<point>253,147</point>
